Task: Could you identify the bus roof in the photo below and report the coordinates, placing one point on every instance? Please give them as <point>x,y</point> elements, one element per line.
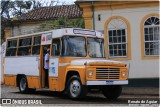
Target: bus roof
<point>66,31</point>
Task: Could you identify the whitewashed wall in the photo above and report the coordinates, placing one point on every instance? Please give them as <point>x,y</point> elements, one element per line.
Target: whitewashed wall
<point>138,68</point>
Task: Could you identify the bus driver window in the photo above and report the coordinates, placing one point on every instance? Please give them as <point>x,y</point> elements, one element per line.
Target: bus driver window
<point>56,47</point>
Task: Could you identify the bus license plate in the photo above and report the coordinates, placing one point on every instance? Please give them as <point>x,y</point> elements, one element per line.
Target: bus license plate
<point>109,82</point>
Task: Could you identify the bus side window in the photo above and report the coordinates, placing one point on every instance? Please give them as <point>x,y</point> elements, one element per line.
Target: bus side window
<point>36,45</point>
<point>11,48</point>
<point>24,46</point>
<point>56,47</point>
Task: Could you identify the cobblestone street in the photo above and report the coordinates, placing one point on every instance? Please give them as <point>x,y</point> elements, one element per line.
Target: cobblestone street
<point>92,99</point>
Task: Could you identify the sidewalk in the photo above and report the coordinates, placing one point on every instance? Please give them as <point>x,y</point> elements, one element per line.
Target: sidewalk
<point>141,90</point>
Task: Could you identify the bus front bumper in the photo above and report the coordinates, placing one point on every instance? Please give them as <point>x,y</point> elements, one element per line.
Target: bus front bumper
<point>108,82</point>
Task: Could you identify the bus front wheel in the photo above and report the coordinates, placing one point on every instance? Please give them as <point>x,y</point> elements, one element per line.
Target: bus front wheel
<point>23,85</point>
<point>75,89</point>
<point>112,92</point>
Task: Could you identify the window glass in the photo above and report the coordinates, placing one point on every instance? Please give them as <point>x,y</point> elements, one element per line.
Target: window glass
<point>37,40</point>
<point>23,51</point>
<point>12,43</point>
<point>24,46</point>
<point>151,36</point>
<point>25,42</point>
<point>117,38</point>
<point>11,48</point>
<point>73,46</point>
<point>56,47</point>
<point>11,51</point>
<point>117,43</point>
<point>36,45</point>
<point>96,47</point>
<point>36,50</point>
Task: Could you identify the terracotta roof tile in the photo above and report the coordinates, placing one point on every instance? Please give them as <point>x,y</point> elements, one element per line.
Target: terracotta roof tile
<point>54,12</point>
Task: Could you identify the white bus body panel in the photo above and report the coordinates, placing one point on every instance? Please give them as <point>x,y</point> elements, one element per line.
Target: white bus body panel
<point>53,67</point>
<point>22,65</point>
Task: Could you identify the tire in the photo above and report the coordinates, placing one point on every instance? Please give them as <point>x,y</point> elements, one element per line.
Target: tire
<point>75,89</point>
<point>31,90</point>
<point>112,92</point>
<point>23,85</point>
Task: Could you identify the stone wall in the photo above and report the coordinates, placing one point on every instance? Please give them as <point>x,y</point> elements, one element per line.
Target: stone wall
<point>24,29</point>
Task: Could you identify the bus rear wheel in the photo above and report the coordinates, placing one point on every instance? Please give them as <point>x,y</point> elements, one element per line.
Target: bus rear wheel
<point>23,85</point>
<point>75,89</point>
<point>112,92</point>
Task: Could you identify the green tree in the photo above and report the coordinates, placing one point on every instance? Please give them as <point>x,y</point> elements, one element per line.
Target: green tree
<point>11,9</point>
<point>14,8</point>
<point>62,23</point>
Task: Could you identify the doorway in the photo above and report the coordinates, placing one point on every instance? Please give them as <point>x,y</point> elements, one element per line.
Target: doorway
<point>44,51</point>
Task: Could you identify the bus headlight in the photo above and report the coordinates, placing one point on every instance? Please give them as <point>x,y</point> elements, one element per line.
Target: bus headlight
<point>123,73</point>
<point>90,73</point>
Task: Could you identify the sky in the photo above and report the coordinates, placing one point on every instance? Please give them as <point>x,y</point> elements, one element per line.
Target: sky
<point>59,1</point>
<point>68,1</point>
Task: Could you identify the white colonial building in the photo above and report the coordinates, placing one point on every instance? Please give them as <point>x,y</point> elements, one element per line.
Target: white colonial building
<point>131,30</point>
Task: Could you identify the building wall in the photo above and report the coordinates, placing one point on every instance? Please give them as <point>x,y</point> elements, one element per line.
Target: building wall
<point>21,28</point>
<point>24,29</point>
<point>139,67</point>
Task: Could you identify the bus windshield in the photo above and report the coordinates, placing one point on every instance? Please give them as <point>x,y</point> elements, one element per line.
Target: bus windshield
<point>96,47</point>
<point>73,46</point>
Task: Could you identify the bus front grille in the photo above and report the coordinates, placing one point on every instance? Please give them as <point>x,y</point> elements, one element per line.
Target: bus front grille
<point>107,73</point>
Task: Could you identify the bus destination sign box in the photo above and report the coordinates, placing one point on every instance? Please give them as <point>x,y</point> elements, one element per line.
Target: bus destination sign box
<point>85,32</point>
<point>46,38</point>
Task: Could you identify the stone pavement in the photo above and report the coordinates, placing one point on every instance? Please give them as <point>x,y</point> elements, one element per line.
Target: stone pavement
<point>140,90</point>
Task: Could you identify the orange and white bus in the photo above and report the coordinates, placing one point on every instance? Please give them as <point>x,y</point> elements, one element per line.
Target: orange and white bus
<point>77,63</point>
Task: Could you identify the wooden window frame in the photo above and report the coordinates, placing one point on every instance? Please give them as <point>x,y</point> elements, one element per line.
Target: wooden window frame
<point>128,48</point>
<point>143,56</point>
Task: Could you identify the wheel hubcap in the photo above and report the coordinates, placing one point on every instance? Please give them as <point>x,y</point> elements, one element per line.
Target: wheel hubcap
<point>75,88</point>
<point>23,84</point>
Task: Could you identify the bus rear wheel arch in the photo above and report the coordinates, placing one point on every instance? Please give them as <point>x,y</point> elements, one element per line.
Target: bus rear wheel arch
<point>23,85</point>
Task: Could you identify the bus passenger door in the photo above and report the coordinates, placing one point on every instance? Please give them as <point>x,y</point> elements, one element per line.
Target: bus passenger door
<point>46,40</point>
<point>53,64</point>
<point>44,51</point>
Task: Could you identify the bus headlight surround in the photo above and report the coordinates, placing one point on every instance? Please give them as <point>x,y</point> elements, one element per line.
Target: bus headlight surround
<point>123,74</point>
<point>90,73</point>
